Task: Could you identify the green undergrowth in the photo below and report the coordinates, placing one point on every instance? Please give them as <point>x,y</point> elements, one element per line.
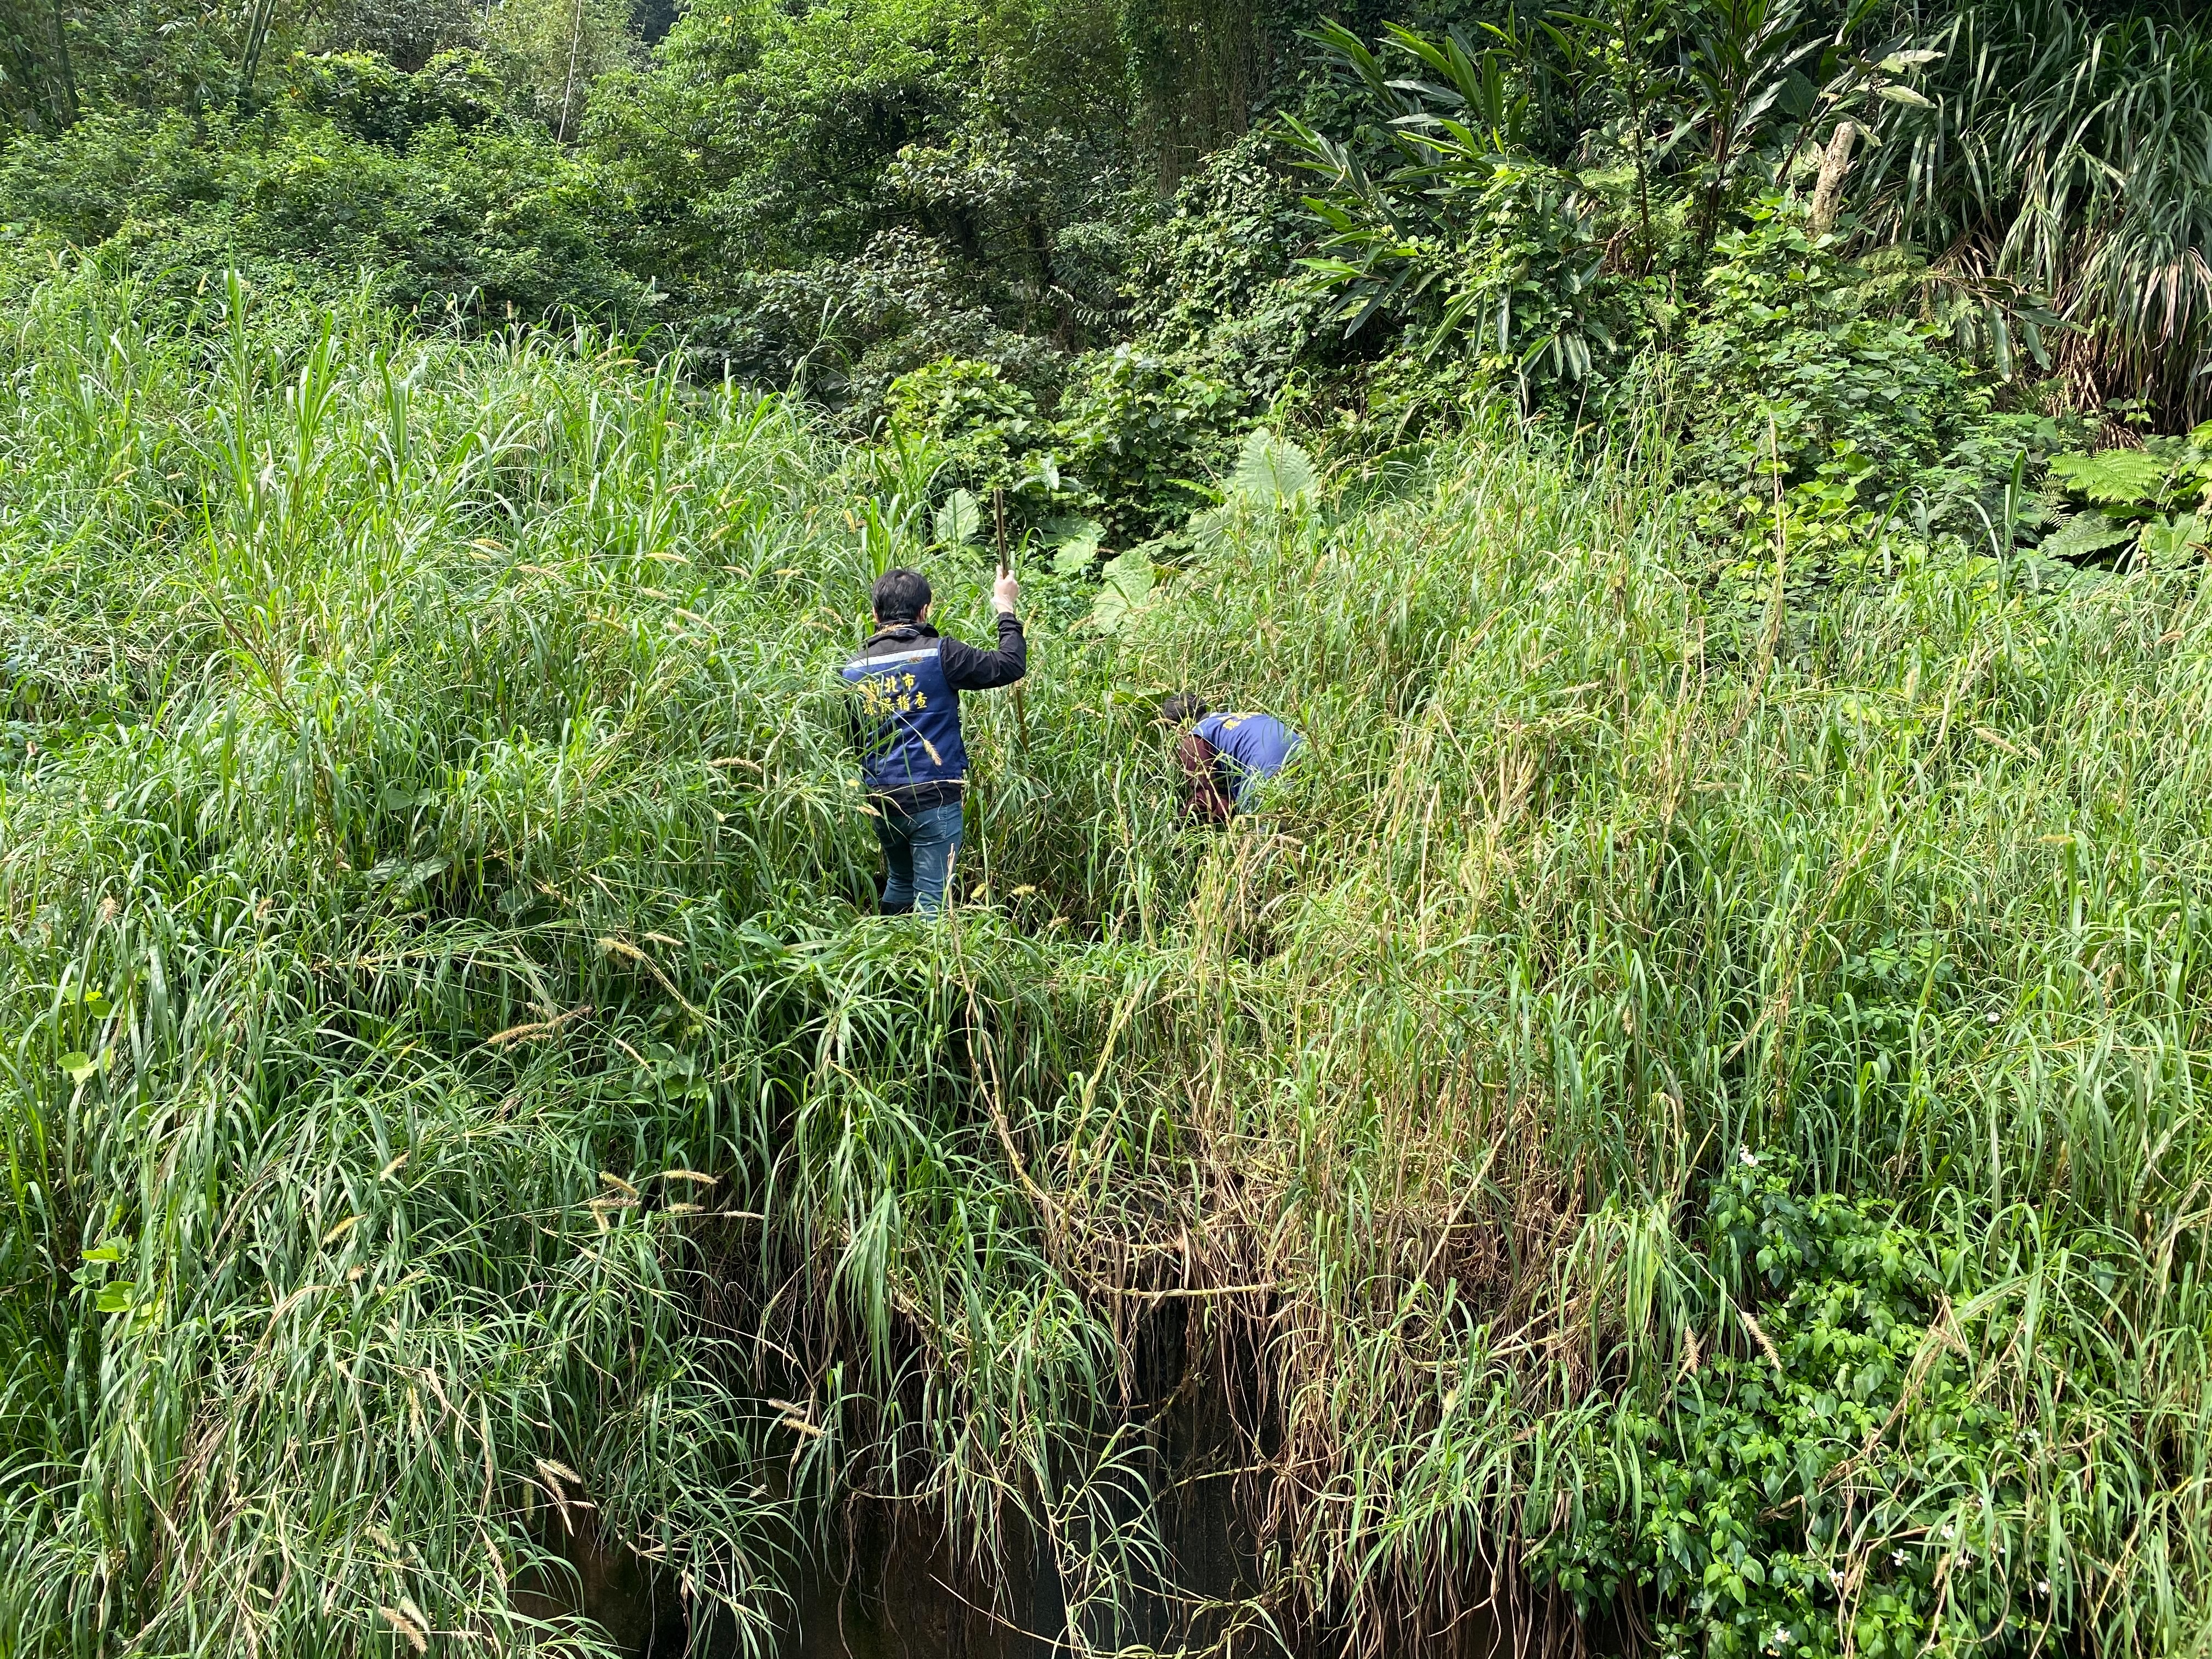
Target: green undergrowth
<point>1702,1142</point>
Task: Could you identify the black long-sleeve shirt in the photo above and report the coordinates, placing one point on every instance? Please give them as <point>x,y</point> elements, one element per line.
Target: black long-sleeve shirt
<point>966,669</point>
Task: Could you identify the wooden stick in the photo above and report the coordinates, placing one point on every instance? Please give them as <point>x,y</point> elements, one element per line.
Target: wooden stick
<point>1021,707</point>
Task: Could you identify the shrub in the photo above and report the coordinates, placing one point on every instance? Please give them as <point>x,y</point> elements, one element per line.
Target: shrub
<point>366,97</point>
<point>1139,430</point>
<point>1788,355</point>
<point>2157,499</point>
<point>1760,1461</point>
<point>984,424</point>
<point>844,329</point>
<point>83,184</point>
<point>496,221</point>
<point>1810,414</point>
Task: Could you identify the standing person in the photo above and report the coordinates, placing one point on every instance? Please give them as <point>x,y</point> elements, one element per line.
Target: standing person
<point>1226,758</point>
<point>906,684</point>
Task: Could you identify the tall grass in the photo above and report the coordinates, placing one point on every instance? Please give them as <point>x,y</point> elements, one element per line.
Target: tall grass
<point>454,1102</point>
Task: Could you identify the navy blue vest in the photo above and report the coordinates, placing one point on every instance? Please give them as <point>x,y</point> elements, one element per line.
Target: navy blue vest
<point>909,718</point>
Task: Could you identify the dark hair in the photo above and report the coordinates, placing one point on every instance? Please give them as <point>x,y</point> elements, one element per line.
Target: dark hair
<point>1181,708</point>
<point>899,595</point>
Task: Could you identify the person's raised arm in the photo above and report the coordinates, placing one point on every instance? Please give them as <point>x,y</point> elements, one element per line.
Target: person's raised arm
<point>967,669</point>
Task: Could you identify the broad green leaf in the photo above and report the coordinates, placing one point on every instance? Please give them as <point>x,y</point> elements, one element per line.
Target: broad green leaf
<point>407,874</point>
<point>2173,541</point>
<point>1129,583</point>
<point>104,1253</point>
<point>115,1297</point>
<point>1272,472</point>
<point>1078,548</point>
<point>959,519</point>
<point>79,1064</point>
<point>1109,611</point>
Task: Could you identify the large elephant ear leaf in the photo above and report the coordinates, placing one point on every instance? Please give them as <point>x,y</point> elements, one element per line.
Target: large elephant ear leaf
<point>1076,546</point>
<point>1272,472</point>
<point>2168,542</point>
<point>959,519</point>
<point>1129,583</point>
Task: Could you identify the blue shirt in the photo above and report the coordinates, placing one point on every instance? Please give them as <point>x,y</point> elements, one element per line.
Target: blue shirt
<point>1256,746</point>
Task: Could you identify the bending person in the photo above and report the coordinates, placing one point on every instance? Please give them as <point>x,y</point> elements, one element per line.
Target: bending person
<point>1225,758</point>
<point>906,684</point>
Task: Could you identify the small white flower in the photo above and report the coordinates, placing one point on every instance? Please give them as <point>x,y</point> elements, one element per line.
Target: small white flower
<point>1781,1633</point>
<point>1993,1016</point>
<point>1898,1555</point>
<point>1745,1156</point>
<point>2043,1588</point>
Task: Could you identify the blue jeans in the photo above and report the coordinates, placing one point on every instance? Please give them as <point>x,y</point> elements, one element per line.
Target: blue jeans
<point>918,849</point>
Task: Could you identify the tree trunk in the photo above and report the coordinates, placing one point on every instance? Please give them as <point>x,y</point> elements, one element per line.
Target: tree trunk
<point>65,107</point>
<point>1196,65</point>
<point>1835,163</point>
<point>258,22</point>
<point>568,86</point>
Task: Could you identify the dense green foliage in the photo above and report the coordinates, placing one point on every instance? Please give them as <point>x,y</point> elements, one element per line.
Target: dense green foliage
<point>1717,1142</point>
<point>1676,1128</point>
<point>833,195</point>
<point>416,200</point>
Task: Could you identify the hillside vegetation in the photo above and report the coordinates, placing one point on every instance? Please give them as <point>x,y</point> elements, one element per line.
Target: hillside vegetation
<point>1685,1119</point>
<point>1673,1128</point>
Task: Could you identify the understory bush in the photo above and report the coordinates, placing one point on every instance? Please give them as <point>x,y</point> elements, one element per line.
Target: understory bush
<point>366,97</point>
<point>1138,438</point>
<point>2153,502</point>
<point>1848,1414</point>
<point>490,220</point>
<point>1791,373</point>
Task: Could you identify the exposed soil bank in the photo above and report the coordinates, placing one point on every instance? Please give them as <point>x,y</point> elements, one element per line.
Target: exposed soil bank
<point>898,1597</point>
